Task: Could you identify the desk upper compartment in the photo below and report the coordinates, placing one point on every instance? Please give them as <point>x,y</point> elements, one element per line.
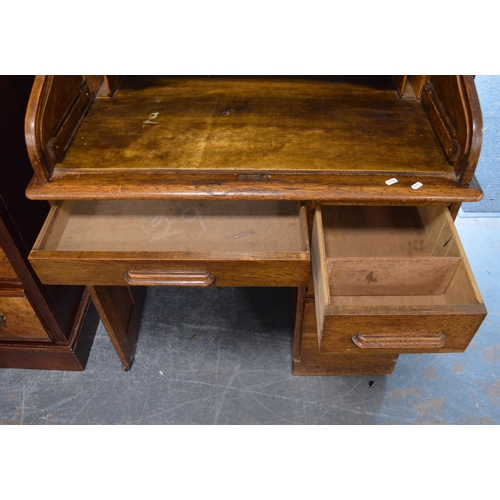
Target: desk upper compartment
<point>326,138</point>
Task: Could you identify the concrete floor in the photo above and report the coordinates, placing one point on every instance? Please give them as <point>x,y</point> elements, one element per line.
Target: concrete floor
<point>224,357</point>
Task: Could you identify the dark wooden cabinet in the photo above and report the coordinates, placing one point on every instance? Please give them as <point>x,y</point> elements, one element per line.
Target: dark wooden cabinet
<point>342,187</point>
<point>40,326</point>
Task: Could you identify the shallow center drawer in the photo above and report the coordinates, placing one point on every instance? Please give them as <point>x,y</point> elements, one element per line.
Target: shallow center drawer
<point>392,278</point>
<point>183,243</point>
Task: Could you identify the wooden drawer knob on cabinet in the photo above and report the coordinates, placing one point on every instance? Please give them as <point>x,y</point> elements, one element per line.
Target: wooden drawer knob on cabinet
<point>3,319</point>
<point>169,278</point>
<point>399,340</point>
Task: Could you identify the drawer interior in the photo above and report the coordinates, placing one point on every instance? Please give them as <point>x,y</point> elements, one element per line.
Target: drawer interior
<point>389,266</point>
<point>213,227</point>
<point>394,256</point>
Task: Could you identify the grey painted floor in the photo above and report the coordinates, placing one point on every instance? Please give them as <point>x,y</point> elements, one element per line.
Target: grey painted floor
<point>224,357</point>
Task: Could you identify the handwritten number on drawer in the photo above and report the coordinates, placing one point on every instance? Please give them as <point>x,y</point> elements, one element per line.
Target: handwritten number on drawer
<point>192,214</point>
<point>161,226</point>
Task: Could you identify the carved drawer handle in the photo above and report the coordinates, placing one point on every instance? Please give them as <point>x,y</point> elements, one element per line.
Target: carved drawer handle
<point>169,278</point>
<point>399,340</point>
<point>3,319</point>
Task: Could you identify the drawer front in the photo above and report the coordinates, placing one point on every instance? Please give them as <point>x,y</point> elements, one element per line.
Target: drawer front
<point>120,271</point>
<point>413,331</point>
<point>403,287</point>
<point>18,321</point>
<point>174,244</point>
<point>312,361</point>
<point>8,276</point>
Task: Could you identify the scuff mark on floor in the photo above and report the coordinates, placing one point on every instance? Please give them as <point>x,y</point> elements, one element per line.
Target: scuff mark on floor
<point>430,373</point>
<point>493,392</point>
<point>9,421</point>
<point>457,367</point>
<point>491,354</point>
<point>430,421</point>
<point>481,420</point>
<point>412,391</point>
<point>424,408</point>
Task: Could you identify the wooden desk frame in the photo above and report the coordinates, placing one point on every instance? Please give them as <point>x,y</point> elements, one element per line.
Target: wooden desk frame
<point>315,141</point>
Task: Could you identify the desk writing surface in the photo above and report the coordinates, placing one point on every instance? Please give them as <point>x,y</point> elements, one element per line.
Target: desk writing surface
<point>253,124</point>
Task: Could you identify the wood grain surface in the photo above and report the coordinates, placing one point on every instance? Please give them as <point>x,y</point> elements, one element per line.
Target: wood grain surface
<point>387,279</point>
<point>369,189</point>
<point>394,272</point>
<point>239,243</point>
<point>256,124</point>
<point>7,273</point>
<point>20,321</point>
<point>310,360</point>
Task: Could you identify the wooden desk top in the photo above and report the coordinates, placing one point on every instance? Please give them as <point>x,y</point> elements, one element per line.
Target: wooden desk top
<point>320,138</point>
<point>255,125</point>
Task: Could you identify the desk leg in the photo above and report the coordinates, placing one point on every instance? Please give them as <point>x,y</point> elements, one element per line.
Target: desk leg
<point>298,322</point>
<point>120,309</point>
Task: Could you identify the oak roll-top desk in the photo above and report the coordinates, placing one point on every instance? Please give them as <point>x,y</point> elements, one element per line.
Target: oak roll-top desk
<point>342,188</point>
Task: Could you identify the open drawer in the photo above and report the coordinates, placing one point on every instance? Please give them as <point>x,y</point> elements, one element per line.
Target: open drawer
<point>183,243</point>
<point>392,279</point>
